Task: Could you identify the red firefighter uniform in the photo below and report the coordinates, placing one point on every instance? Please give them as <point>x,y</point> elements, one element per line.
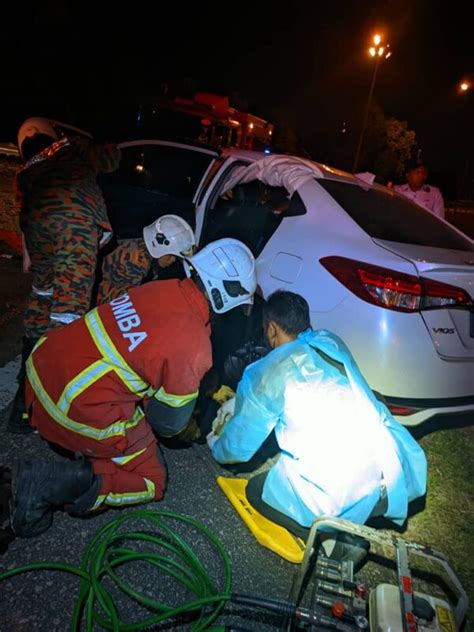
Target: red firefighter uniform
<point>86,383</point>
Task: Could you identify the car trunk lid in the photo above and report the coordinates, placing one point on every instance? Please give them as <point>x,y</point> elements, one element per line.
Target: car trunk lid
<point>451,329</point>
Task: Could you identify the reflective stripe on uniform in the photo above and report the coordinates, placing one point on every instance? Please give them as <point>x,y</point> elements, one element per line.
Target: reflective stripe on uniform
<point>122,460</point>
<point>65,318</point>
<point>176,401</point>
<point>119,428</point>
<point>127,498</point>
<point>109,351</point>
<point>39,343</point>
<point>81,382</point>
<point>40,292</point>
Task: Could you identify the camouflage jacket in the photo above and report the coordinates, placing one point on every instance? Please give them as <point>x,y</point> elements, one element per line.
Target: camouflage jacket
<point>62,179</point>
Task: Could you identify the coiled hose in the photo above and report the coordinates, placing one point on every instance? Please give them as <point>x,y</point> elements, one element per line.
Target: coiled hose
<point>108,550</point>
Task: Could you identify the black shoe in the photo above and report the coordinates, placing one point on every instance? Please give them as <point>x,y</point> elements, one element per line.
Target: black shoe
<point>38,488</point>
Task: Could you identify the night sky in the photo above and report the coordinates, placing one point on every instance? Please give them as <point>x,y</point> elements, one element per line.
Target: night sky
<point>305,64</point>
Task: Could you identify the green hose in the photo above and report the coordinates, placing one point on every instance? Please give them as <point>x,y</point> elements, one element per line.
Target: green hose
<point>108,550</point>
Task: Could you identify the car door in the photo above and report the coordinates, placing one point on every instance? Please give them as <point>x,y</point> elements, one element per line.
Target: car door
<point>155,178</point>
<point>209,193</point>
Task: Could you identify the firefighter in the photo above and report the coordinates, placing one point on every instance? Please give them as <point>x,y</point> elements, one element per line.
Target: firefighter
<point>86,383</point>
<point>131,262</point>
<point>63,219</point>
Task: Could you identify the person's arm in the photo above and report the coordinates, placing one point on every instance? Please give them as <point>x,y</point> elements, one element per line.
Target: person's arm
<point>107,157</point>
<point>169,409</point>
<point>103,158</point>
<point>252,422</point>
<point>169,419</point>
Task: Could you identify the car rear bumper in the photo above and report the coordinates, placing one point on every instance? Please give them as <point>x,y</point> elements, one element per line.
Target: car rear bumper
<point>425,409</point>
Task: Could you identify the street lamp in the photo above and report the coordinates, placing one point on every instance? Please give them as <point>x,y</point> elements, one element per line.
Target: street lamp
<point>379,52</point>
<point>464,86</point>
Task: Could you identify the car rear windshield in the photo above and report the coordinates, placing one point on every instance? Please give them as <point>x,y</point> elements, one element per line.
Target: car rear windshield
<point>385,215</point>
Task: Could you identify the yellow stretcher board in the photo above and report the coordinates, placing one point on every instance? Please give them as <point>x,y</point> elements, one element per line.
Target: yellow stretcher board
<point>268,534</point>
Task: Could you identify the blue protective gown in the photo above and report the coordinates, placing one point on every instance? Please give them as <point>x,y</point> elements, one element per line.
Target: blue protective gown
<point>337,440</point>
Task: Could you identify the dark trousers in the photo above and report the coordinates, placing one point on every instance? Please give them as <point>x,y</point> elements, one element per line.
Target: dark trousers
<point>254,491</point>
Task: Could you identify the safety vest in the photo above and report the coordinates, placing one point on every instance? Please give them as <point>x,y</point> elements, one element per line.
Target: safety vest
<point>151,342</point>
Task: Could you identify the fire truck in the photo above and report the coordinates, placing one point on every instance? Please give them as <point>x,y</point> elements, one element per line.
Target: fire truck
<point>206,118</point>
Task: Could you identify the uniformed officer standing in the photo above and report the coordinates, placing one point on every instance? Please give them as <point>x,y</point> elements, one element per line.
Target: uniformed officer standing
<point>416,189</point>
<point>63,219</point>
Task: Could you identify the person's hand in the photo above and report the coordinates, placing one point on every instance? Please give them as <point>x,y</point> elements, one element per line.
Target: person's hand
<point>224,413</point>
<point>223,394</point>
<point>211,439</point>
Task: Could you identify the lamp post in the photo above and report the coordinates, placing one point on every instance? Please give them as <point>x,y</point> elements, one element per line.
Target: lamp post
<point>378,51</point>
<point>465,183</point>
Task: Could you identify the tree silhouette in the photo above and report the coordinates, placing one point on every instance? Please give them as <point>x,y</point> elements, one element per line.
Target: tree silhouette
<point>388,145</point>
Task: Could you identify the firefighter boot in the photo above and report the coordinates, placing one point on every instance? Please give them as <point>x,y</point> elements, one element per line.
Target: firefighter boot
<point>17,422</point>
<point>39,487</point>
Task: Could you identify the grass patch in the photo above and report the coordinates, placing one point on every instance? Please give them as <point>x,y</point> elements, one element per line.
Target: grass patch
<point>446,523</point>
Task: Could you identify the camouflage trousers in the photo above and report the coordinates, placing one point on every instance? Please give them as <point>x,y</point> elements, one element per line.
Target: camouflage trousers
<point>124,268</point>
<point>63,252</point>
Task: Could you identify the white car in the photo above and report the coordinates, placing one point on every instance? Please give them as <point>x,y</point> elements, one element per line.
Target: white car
<point>393,281</point>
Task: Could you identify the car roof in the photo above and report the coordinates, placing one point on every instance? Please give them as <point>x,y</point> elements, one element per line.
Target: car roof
<point>320,169</point>
<point>271,163</point>
<point>288,171</point>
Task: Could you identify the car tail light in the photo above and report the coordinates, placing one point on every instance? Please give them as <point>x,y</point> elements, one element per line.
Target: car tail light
<point>401,410</point>
<point>392,289</point>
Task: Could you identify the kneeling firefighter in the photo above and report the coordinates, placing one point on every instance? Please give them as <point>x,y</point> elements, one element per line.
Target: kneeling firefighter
<point>166,239</point>
<point>86,383</point>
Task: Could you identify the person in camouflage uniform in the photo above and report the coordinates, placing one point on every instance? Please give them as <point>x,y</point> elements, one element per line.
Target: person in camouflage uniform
<point>63,219</point>
<point>134,260</point>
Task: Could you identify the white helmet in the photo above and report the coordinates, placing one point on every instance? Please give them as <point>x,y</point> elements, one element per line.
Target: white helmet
<point>169,235</point>
<point>33,126</point>
<point>226,268</point>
